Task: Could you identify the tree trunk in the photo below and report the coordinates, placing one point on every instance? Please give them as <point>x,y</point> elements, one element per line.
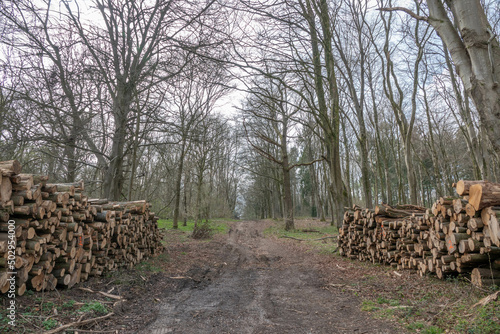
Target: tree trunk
<point>287,198</point>
<point>70,152</point>
<point>198,201</point>
<point>186,183</point>
<point>113,179</point>
<point>476,54</point>
<point>385,189</point>
<point>438,182</point>
<point>469,133</point>
<point>287,184</point>
<point>347,172</point>
<point>328,116</point>
<point>178,183</point>
<point>312,177</point>
<point>134,150</point>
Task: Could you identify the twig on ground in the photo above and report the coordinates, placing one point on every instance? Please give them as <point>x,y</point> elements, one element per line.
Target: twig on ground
<point>102,293</point>
<point>286,236</point>
<point>24,317</point>
<point>488,299</point>
<point>90,331</point>
<point>446,307</point>
<point>78,323</point>
<point>181,277</point>
<point>399,306</point>
<point>348,287</point>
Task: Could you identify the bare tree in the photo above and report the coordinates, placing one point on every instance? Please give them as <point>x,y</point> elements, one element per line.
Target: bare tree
<point>474,48</point>
<point>270,111</point>
<point>193,98</point>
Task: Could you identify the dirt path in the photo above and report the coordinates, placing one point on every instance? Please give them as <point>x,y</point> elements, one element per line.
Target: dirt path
<point>263,287</point>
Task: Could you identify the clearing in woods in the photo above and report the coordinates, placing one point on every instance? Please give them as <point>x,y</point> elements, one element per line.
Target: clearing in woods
<point>263,287</point>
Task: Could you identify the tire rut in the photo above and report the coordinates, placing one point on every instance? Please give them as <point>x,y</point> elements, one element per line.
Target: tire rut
<point>262,289</point>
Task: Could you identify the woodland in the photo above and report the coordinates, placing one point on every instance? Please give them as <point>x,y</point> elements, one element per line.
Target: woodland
<point>253,108</point>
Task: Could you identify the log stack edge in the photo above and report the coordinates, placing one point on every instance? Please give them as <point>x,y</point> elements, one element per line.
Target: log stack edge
<point>60,237</point>
<point>458,235</point>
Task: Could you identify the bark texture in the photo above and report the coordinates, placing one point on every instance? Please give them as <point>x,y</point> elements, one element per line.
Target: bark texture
<point>476,54</point>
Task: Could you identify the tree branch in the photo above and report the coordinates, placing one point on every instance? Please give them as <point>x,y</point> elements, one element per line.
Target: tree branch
<point>78,323</point>
<point>306,163</point>
<point>406,10</point>
<point>317,239</point>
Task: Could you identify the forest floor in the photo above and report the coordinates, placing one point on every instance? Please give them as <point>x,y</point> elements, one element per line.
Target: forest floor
<point>254,278</point>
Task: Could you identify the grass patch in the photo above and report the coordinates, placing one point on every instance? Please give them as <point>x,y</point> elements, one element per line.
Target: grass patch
<point>95,307</point>
<point>415,326</point>
<point>324,246</point>
<point>432,330</point>
<point>49,324</point>
<point>148,266</point>
<point>169,223</point>
<point>216,225</point>
<point>385,313</point>
<point>47,306</point>
<point>431,306</point>
<point>368,306</point>
<point>38,314</point>
<point>486,321</point>
<point>69,304</point>
<point>390,302</point>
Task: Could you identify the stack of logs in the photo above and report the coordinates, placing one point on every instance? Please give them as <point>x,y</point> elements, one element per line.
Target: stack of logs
<point>456,236</point>
<point>62,237</point>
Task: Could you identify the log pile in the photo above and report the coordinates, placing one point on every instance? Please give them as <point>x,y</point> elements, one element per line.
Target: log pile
<point>458,235</point>
<point>62,237</point>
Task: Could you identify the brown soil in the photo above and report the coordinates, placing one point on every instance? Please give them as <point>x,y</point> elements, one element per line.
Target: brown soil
<point>264,286</point>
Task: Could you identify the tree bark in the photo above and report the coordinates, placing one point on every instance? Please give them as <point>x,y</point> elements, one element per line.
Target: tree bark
<point>328,116</point>
<point>114,178</point>
<point>288,207</point>
<point>476,54</point>
<point>178,183</point>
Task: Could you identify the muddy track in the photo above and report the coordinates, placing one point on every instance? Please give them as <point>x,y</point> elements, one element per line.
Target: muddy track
<point>262,287</point>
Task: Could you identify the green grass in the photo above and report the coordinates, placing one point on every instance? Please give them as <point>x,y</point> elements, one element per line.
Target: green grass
<point>486,321</point>
<point>432,330</point>
<point>217,225</point>
<point>47,306</point>
<point>324,246</point>
<point>414,326</point>
<point>69,304</point>
<point>420,327</point>
<point>148,266</point>
<point>368,306</point>
<point>49,324</point>
<point>96,307</point>
<point>390,302</point>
